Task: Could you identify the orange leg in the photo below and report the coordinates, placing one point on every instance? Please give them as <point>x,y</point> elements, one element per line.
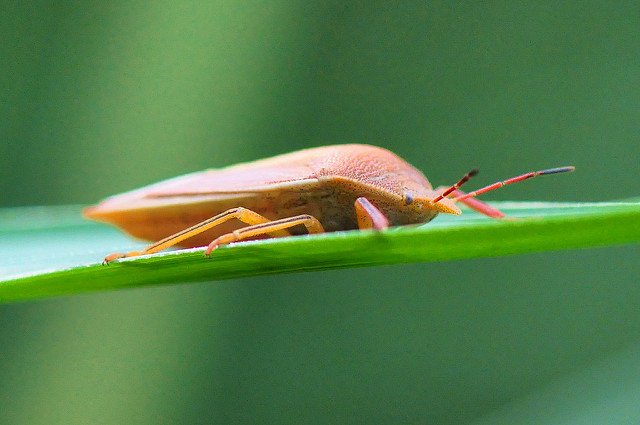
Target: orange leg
<point>369,216</point>
<point>477,205</point>
<point>242,214</point>
<point>310,222</point>
<point>480,206</point>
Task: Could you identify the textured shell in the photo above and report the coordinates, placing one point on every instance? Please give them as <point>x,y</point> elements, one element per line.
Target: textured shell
<point>372,166</point>
<point>369,165</point>
<point>323,182</point>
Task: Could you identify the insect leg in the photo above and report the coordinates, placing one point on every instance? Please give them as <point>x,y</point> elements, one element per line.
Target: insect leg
<point>310,222</point>
<point>369,217</point>
<point>477,205</point>
<point>244,215</point>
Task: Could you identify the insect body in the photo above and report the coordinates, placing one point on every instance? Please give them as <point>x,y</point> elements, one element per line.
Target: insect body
<point>324,189</point>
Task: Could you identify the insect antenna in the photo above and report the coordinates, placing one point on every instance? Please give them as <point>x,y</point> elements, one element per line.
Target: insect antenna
<point>512,180</point>
<point>462,181</point>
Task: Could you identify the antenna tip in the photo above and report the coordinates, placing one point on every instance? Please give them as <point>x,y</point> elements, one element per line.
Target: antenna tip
<point>558,170</point>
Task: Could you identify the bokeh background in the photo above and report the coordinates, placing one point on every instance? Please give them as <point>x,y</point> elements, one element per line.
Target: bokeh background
<point>102,97</point>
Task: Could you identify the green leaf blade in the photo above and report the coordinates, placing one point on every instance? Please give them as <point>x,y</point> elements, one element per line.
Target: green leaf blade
<point>537,227</point>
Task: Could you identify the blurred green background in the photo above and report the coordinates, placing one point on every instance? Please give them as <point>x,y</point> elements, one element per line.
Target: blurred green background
<point>102,97</point>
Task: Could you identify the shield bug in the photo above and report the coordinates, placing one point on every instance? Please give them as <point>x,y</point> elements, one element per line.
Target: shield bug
<point>316,190</point>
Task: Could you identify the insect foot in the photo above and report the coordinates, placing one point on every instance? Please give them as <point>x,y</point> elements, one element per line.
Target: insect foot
<point>112,257</point>
<point>117,255</point>
<point>222,240</point>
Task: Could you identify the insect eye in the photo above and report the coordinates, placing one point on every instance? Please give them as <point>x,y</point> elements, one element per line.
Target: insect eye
<point>408,199</point>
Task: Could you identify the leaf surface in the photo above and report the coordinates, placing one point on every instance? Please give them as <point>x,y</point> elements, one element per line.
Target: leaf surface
<point>48,251</point>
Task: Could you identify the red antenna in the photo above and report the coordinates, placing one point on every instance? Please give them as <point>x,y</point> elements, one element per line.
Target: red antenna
<point>512,180</point>
<point>456,186</point>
